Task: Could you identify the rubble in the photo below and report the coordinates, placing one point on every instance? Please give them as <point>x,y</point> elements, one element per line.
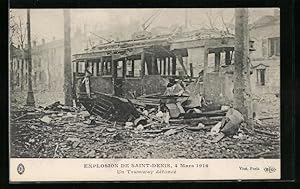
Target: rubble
<point>66,132</point>
<point>46,119</point>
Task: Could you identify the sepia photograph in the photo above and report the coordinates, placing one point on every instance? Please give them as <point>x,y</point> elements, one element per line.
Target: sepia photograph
<point>155,83</point>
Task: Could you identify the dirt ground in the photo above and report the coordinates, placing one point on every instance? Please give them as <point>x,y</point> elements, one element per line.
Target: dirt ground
<point>70,135</point>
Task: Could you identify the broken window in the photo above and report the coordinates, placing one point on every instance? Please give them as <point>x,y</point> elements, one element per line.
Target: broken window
<point>130,68</point>
<point>261,74</point>
<point>133,68</point>
<point>99,69</point>
<point>81,67</point>
<point>119,68</point>
<point>274,46</point>
<point>106,68</point>
<point>95,71</point>
<point>90,67</point>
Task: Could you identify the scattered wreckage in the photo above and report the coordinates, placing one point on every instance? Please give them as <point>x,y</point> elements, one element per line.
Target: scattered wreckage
<point>59,131</point>
<point>177,105</point>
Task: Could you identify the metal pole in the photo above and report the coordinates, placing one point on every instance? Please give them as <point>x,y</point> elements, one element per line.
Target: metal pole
<point>30,97</point>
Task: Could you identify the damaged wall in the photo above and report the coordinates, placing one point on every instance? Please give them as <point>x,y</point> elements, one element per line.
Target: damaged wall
<point>219,88</point>
<point>196,56</point>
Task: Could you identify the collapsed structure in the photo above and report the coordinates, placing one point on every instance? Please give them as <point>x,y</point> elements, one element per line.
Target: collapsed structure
<point>141,67</point>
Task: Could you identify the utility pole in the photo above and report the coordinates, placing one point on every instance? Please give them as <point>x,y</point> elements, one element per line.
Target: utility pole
<point>67,58</point>
<point>30,97</point>
<point>242,88</point>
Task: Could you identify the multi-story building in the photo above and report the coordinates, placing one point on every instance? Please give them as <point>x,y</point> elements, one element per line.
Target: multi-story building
<point>47,69</point>
<point>265,32</point>
<point>18,68</point>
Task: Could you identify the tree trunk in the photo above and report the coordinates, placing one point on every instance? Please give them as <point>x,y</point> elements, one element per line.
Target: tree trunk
<point>67,58</point>
<point>242,88</point>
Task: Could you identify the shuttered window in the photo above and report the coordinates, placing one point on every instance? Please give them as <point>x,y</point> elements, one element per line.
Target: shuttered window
<point>261,76</point>
<point>274,46</point>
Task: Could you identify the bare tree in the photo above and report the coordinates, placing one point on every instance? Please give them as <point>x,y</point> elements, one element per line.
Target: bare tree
<point>211,20</point>
<point>21,32</point>
<point>226,27</point>
<point>12,27</point>
<point>17,30</point>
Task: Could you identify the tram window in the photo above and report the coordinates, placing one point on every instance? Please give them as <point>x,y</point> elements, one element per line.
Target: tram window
<point>90,67</point>
<point>137,68</point>
<point>129,72</point>
<point>81,67</point>
<point>133,69</point>
<point>107,68</point>
<point>119,69</point>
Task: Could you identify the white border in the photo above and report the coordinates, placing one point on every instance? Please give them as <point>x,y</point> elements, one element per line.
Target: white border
<point>80,169</point>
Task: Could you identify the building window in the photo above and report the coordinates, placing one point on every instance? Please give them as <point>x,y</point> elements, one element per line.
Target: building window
<point>261,76</point>
<point>274,46</point>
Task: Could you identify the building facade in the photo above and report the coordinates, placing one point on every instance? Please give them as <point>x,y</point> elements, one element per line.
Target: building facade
<point>47,69</point>
<point>265,32</point>
<point>18,69</point>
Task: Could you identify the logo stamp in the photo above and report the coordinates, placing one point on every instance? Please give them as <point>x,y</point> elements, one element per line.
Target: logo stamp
<point>20,168</point>
<point>269,169</point>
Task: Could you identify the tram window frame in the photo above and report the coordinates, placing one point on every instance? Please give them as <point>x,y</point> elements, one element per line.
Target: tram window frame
<point>107,71</point>
<point>137,70</point>
<point>81,67</point>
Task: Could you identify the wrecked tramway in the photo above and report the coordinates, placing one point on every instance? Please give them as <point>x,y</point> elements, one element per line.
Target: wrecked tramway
<point>119,78</point>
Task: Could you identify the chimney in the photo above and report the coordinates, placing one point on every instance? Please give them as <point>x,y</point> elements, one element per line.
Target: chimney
<point>43,41</point>
<point>277,12</point>
<point>34,43</point>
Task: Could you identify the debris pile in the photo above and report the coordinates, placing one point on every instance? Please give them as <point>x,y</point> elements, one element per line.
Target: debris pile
<point>164,127</point>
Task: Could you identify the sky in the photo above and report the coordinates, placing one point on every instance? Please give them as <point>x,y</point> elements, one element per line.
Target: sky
<point>48,23</point>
